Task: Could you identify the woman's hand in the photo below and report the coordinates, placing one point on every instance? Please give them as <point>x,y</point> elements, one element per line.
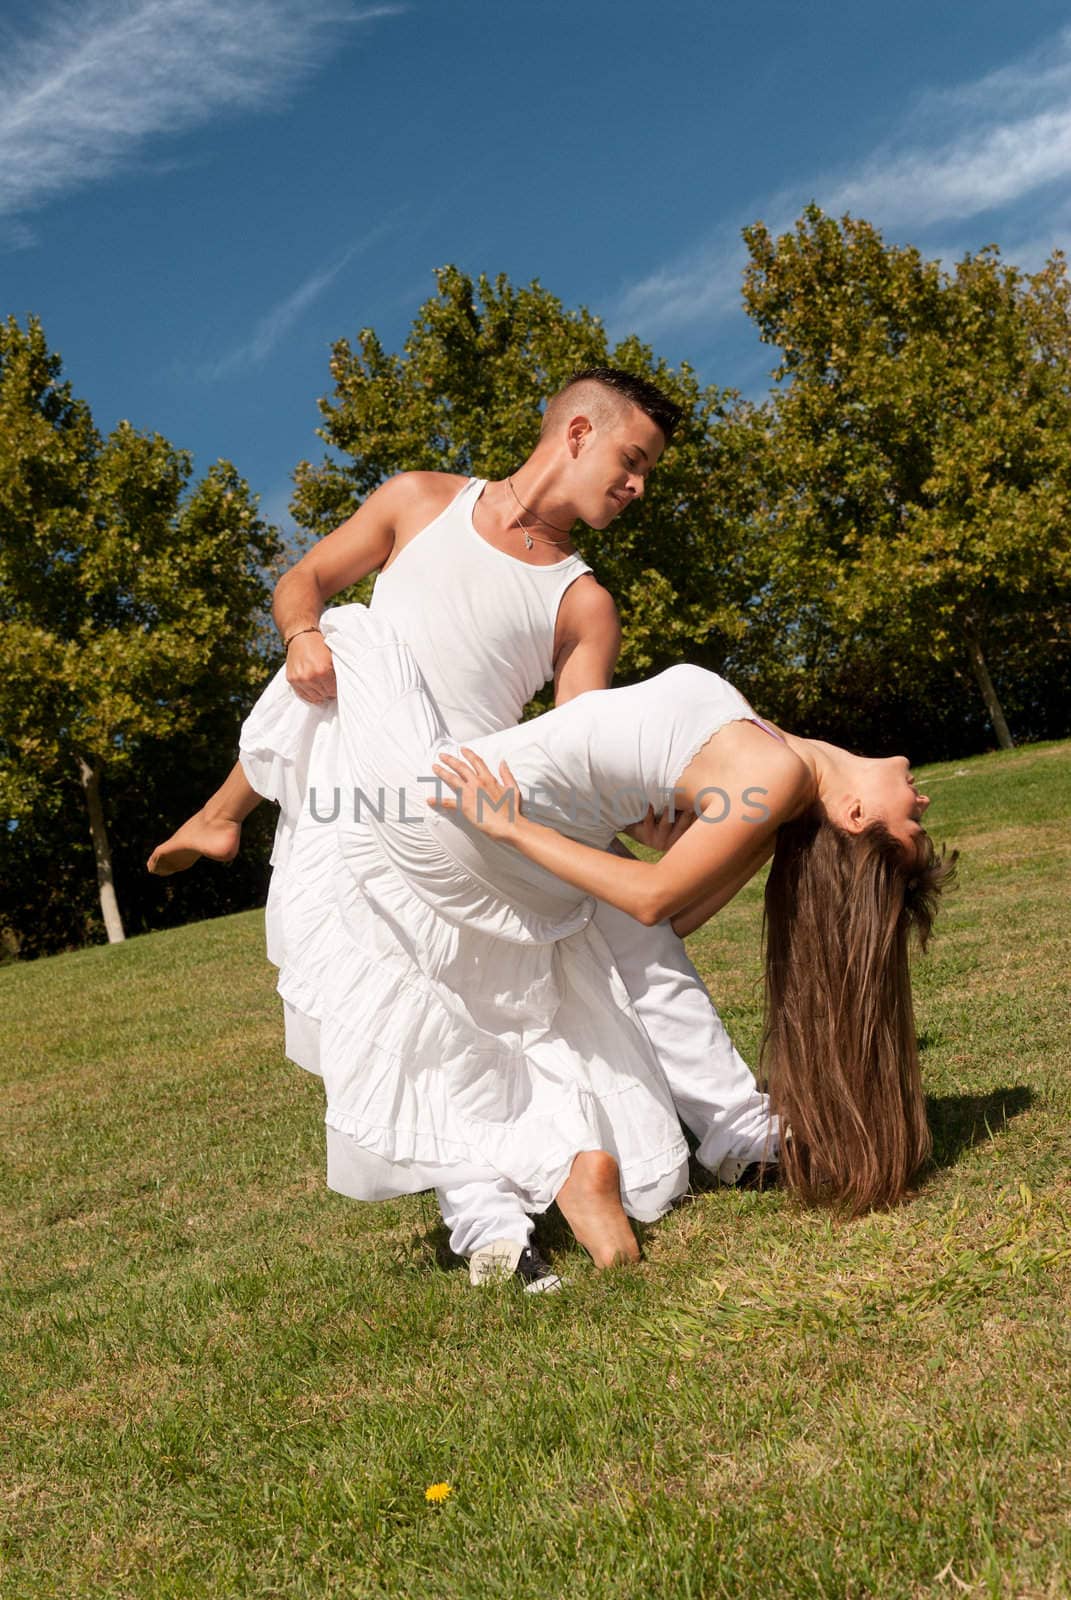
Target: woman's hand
<point>491,806</point>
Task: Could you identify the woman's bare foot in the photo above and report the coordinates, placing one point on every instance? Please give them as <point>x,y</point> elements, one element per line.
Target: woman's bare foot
<point>214,831</point>
<point>216,837</point>
<point>590,1202</point>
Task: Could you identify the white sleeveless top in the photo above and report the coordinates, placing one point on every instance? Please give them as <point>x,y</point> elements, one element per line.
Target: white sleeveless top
<point>595,764</point>
<point>479,622</point>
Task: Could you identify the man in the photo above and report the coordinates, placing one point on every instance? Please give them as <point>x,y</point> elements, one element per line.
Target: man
<point>482,582</point>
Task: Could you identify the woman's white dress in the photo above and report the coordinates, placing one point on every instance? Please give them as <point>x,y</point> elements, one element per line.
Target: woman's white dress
<point>464,1012</point>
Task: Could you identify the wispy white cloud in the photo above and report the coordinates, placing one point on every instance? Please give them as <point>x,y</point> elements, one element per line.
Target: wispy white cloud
<point>701,286</point>
<point>960,153</point>
<point>1030,248</point>
<point>84,92</point>
<point>275,323</point>
<point>1041,76</point>
<point>982,171</point>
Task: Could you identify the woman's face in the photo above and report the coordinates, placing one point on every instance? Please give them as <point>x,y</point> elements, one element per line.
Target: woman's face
<point>892,797</point>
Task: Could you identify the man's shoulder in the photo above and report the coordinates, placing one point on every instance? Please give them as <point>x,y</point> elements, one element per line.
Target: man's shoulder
<point>416,498</point>
<point>425,486</point>
<point>587,607</point>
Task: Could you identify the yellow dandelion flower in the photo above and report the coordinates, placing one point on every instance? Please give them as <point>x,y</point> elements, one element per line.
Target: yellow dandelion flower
<point>437,1492</point>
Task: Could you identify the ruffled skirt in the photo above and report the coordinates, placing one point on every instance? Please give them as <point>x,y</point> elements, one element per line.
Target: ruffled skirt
<point>464,1012</point>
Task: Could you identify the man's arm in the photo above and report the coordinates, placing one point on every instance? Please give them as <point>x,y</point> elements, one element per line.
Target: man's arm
<point>587,647</point>
<point>360,545</point>
<point>357,547</point>
<point>587,640</point>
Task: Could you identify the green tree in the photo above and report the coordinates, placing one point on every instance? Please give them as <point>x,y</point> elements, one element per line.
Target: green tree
<point>128,606</point>
<point>920,479</point>
<point>465,395</point>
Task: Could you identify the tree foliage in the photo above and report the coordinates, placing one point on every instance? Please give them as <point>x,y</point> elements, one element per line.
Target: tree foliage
<point>465,396</point>
<point>879,553</point>
<point>130,605</point>
<point>921,481</point>
<point>857,551</point>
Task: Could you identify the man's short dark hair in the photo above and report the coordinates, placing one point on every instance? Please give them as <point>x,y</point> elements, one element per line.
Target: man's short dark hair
<point>636,391</point>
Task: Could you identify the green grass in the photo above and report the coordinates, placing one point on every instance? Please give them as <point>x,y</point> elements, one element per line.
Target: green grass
<point>220,1379</point>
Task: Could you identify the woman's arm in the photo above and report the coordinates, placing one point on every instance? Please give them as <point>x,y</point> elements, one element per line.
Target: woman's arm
<point>708,905</point>
<point>714,857</point>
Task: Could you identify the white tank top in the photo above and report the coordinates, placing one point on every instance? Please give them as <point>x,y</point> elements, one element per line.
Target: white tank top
<point>479,622</point>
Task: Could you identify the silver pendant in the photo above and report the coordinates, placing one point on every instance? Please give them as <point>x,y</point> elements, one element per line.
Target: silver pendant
<point>528,541</point>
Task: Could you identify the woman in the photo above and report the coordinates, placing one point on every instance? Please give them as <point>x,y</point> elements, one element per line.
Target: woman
<point>853,874</point>
<point>461,1007</point>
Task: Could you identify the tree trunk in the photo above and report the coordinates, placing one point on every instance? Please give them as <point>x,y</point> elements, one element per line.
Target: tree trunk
<point>989,694</point>
<point>109,905</point>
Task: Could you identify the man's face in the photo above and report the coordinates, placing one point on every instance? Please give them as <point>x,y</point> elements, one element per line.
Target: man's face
<point>612,463</point>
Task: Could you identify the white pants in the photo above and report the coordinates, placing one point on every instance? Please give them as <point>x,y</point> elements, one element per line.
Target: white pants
<point>714,1090</point>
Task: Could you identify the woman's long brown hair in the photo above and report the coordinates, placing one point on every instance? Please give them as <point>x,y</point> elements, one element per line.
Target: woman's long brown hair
<point>839,1052</point>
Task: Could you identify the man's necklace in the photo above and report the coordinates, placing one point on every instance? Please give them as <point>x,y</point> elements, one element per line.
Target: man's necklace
<point>534,538</point>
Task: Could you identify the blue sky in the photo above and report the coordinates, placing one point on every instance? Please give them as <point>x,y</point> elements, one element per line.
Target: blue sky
<point>198,196</point>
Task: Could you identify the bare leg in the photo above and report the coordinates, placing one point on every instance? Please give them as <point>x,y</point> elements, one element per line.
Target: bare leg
<point>215,830</point>
<point>590,1202</point>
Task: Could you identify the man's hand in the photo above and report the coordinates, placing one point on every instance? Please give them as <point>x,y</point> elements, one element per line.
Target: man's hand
<point>310,669</point>
<point>659,832</point>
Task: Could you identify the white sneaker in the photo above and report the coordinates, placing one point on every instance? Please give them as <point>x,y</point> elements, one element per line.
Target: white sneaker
<point>505,1258</point>
<point>492,1262</point>
<point>745,1172</point>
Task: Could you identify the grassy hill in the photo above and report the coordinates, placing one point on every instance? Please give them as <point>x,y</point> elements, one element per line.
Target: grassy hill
<point>221,1379</point>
